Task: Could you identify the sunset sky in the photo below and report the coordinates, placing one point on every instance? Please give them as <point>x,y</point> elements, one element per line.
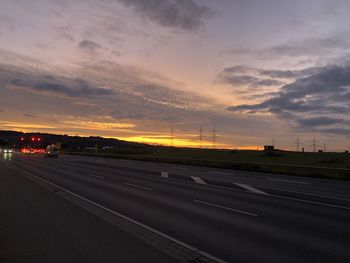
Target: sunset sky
<point>135,69</point>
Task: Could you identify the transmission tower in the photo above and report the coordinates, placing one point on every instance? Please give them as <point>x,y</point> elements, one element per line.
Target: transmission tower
<point>214,136</point>
<point>314,144</point>
<point>200,136</point>
<point>172,137</point>
<point>298,143</point>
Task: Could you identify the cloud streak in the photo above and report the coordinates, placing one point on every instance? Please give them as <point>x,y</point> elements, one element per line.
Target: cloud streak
<point>51,86</point>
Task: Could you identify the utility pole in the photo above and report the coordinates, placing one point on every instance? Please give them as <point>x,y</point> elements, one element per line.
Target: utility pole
<point>172,137</point>
<point>324,147</point>
<point>200,136</point>
<point>214,136</point>
<point>273,141</point>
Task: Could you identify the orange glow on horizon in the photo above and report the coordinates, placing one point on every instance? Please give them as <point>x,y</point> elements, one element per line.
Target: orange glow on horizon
<point>176,142</point>
<point>251,147</point>
<point>147,137</point>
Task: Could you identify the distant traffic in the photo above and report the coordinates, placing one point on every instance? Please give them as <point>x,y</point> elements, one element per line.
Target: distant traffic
<point>33,145</point>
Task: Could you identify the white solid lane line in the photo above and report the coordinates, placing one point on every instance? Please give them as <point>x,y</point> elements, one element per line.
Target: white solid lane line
<point>198,180</point>
<point>311,202</point>
<point>305,193</point>
<point>226,208</point>
<point>251,189</point>
<point>139,186</point>
<point>164,174</point>
<point>287,181</point>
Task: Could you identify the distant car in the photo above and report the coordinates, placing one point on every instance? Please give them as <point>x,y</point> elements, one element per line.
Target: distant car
<point>25,150</point>
<point>7,150</point>
<point>32,150</point>
<point>51,152</point>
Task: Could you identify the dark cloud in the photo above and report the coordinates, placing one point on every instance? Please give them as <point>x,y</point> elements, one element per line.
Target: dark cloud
<point>285,74</point>
<point>324,98</point>
<point>332,46</point>
<point>310,46</point>
<point>271,73</point>
<point>319,121</point>
<point>268,82</point>
<point>337,131</point>
<point>29,115</point>
<point>237,51</point>
<point>48,85</point>
<point>246,76</point>
<point>182,14</point>
<point>240,69</point>
<point>89,46</point>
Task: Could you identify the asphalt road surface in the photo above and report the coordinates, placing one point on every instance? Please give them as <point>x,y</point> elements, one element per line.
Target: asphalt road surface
<point>87,209</point>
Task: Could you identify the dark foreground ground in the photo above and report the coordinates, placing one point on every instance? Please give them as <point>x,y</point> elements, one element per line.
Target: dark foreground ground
<point>86,209</point>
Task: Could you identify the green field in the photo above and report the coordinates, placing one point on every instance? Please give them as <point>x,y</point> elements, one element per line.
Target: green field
<point>334,160</point>
<point>328,165</point>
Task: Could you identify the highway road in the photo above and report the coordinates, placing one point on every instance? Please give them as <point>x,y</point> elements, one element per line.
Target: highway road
<point>88,209</point>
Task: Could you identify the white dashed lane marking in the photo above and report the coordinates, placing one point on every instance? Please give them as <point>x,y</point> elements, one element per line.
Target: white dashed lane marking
<point>164,174</point>
<point>251,189</point>
<point>198,180</point>
<point>139,186</point>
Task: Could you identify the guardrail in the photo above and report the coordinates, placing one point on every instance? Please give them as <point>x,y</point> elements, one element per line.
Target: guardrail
<point>313,171</point>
